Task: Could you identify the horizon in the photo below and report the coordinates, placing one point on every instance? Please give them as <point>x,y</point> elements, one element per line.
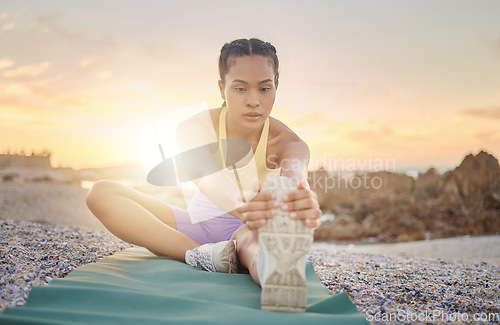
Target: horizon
<point>412,82</point>
<point>351,164</point>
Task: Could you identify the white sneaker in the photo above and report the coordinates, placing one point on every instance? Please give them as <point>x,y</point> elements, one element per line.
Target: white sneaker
<point>216,257</point>
<point>283,245</point>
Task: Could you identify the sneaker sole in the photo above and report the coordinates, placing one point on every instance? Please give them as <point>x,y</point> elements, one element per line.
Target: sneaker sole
<point>230,251</point>
<point>285,243</point>
<point>233,260</point>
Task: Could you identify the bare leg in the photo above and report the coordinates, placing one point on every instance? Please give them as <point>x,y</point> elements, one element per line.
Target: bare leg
<point>247,249</point>
<point>138,219</point>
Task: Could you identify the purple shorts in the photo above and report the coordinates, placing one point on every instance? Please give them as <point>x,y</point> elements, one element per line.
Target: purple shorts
<point>213,230</point>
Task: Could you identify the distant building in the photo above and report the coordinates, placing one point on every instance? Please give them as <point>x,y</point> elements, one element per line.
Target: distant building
<point>21,160</point>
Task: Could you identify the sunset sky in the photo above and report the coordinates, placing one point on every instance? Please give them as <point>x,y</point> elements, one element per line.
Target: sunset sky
<point>417,82</point>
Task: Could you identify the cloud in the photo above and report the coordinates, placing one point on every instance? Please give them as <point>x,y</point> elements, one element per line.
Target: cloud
<point>8,26</point>
<point>490,112</point>
<point>4,24</point>
<point>16,89</point>
<point>487,135</point>
<point>88,62</point>
<point>31,70</point>
<point>6,63</point>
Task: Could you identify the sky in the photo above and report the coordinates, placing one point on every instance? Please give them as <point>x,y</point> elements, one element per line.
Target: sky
<point>401,83</point>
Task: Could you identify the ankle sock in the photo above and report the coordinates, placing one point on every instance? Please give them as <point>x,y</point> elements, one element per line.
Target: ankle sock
<point>188,258</point>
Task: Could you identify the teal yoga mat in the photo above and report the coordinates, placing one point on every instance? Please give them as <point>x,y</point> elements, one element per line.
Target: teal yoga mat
<point>136,287</point>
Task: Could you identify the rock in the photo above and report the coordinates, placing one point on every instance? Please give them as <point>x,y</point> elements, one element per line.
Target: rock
<point>427,184</point>
<point>396,207</point>
<point>10,177</point>
<point>343,227</point>
<point>477,175</point>
<point>371,226</point>
<point>318,181</point>
<point>395,183</point>
<point>491,201</point>
<point>470,194</point>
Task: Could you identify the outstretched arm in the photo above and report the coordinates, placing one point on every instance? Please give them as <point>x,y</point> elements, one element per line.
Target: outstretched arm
<point>303,203</point>
<point>294,160</point>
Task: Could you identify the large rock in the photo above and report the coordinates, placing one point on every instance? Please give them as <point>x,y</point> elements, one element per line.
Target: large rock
<point>477,176</point>
<point>343,227</point>
<point>396,207</point>
<point>394,183</point>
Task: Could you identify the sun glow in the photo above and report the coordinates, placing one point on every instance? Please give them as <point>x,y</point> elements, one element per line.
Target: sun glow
<point>422,94</point>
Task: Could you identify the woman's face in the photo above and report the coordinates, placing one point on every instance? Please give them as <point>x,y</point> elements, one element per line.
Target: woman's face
<point>249,90</point>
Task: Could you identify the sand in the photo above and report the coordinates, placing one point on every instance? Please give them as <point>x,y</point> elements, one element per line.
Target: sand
<point>458,249</point>
<point>44,202</point>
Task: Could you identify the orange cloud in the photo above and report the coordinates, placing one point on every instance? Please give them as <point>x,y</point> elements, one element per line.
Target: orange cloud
<point>6,63</point>
<point>87,63</point>
<point>491,112</point>
<point>8,26</point>
<point>31,70</point>
<point>16,89</point>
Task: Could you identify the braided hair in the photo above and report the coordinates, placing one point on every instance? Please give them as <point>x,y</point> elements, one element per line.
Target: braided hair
<point>244,47</point>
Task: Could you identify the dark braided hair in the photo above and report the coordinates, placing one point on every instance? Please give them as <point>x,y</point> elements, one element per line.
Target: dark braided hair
<point>244,47</point>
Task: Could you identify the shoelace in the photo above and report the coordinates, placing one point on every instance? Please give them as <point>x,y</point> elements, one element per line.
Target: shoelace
<point>203,261</point>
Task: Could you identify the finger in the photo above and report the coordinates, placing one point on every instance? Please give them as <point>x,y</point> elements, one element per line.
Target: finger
<point>302,204</point>
<point>254,225</point>
<point>257,206</point>
<point>297,195</point>
<point>258,215</point>
<point>263,197</point>
<point>306,214</point>
<point>312,223</point>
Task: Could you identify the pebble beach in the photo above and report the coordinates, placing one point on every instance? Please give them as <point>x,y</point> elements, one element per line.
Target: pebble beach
<point>33,254</point>
<point>441,281</point>
<point>410,288</point>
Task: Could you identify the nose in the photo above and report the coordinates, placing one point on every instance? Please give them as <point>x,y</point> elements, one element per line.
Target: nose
<point>253,99</point>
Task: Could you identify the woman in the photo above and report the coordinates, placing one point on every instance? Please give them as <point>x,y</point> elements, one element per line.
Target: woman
<point>248,82</point>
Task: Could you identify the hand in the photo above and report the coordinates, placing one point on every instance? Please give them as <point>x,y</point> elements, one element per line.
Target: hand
<point>256,211</point>
<point>303,205</point>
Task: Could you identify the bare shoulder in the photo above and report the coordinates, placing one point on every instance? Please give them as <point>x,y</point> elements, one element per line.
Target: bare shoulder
<point>283,141</point>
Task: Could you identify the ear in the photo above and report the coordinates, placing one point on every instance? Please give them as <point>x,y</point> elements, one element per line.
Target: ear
<point>277,83</point>
<point>221,89</point>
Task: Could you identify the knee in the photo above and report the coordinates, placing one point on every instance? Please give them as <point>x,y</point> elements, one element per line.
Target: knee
<point>99,193</point>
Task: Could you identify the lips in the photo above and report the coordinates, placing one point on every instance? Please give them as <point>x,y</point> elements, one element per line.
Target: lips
<point>252,116</point>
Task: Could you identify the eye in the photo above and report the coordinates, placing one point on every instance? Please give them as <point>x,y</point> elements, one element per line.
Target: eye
<point>240,89</point>
<point>264,89</point>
